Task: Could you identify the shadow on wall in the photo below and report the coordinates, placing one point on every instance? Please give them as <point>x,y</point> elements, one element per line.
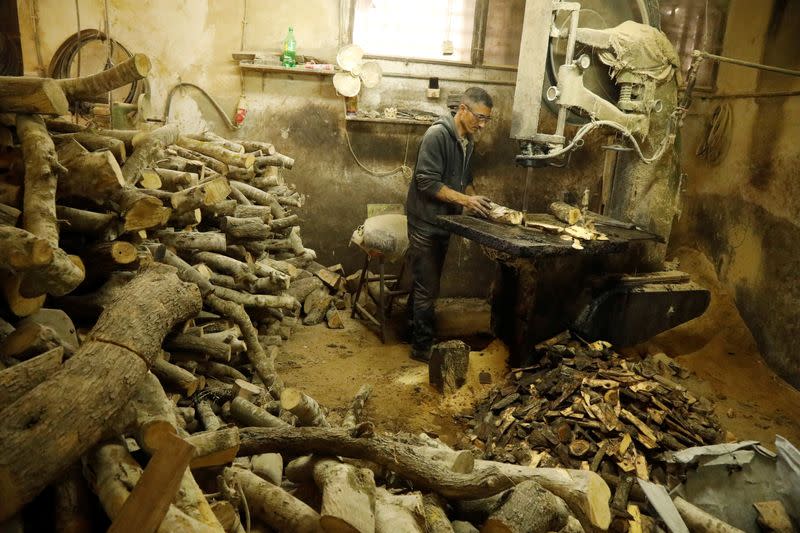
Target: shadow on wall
<point>755,255</point>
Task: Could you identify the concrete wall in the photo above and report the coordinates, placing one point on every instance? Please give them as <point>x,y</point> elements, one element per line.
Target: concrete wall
<point>192,41</point>
<point>743,212</point>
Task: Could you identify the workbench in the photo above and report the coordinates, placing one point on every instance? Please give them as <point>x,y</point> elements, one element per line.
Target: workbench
<point>543,283</point>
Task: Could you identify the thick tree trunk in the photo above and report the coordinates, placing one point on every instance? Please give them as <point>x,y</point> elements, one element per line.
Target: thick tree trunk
<point>90,87</point>
<point>20,94</point>
<point>63,274</point>
<point>45,431</point>
<point>17,380</point>
<point>276,507</point>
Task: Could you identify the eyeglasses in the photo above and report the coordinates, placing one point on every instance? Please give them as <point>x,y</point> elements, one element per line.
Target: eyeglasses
<point>478,116</point>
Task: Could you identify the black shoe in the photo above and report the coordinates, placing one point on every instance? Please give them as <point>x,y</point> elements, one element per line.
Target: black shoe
<point>424,356</point>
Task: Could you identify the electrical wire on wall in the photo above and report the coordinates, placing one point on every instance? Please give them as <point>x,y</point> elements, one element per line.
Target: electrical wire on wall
<point>202,91</point>
<point>402,169</point>
<point>718,135</point>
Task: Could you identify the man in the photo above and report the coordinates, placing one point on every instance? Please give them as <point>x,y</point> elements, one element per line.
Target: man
<point>442,185</point>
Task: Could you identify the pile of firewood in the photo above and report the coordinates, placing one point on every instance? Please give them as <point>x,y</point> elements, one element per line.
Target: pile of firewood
<point>585,406</point>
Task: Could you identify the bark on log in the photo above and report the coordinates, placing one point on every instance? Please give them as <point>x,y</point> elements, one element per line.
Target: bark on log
<point>248,413</point>
<point>20,94</point>
<point>206,193</point>
<point>585,489</point>
<point>81,221</point>
<point>248,211</point>
<point>699,520</point>
<point>175,163</point>
<point>348,497</point>
<point>9,215</point>
<point>217,152</point>
<point>90,87</point>
<point>176,180</point>
<point>230,145</point>
<point>258,300</point>
<point>304,407</point>
<point>399,512</point>
<point>154,417</point>
<point>93,175</point>
<point>21,250</point>
<point>214,164</point>
<point>566,212</point>
<point>214,349</point>
<point>276,507</point>
<point>17,380</point>
<point>354,414</point>
<point>210,241</point>
<point>206,415</point>
<point>42,169</point>
<point>222,263</point>
<point>268,466</point>
<point>178,377</point>
<point>529,509</point>
<point>285,222</point>
<point>244,228</point>
<point>214,448</point>
<point>95,142</point>
<point>113,472</point>
<point>436,519</point>
<point>254,194</point>
<point>73,506</point>
<point>45,431</point>
<point>254,146</point>
<point>274,160</point>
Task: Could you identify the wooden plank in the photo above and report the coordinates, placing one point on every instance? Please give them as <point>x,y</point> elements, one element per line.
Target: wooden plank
<point>147,505</point>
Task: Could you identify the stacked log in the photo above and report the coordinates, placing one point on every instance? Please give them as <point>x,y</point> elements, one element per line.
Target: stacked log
<point>585,406</point>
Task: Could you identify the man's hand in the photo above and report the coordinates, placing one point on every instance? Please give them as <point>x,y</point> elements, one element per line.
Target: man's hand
<point>480,205</point>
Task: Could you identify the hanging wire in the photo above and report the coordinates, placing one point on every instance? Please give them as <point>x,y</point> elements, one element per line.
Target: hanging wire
<point>717,138</point>
<point>403,168</point>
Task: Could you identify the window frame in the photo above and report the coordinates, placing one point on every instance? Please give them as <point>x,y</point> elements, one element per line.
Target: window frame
<point>476,52</point>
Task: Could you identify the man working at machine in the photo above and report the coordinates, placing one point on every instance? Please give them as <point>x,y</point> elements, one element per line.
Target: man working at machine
<point>442,185</point>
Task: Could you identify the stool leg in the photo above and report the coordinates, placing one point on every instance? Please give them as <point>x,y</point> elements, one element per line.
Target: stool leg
<point>397,284</point>
<point>382,303</point>
<point>360,286</point>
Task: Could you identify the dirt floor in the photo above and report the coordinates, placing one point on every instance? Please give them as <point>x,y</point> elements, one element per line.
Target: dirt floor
<point>718,350</point>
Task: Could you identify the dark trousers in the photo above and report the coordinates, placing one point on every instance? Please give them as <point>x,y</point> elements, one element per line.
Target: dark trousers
<point>426,254</point>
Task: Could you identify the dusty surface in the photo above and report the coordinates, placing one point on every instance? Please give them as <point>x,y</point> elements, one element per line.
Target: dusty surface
<point>332,364</point>
<point>751,401</point>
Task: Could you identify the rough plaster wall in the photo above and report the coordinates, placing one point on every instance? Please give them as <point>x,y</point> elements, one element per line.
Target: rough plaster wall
<point>191,41</point>
<point>744,212</point>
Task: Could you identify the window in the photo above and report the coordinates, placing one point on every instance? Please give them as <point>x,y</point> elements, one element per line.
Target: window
<point>482,32</point>
<point>690,27</point>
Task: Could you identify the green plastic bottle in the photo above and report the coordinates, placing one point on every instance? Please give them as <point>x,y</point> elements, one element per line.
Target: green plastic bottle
<point>289,56</point>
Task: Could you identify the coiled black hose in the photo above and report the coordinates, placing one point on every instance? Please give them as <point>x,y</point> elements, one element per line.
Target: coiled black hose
<point>61,64</point>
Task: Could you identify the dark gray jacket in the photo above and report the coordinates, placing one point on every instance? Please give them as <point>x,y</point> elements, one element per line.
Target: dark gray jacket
<point>441,161</point>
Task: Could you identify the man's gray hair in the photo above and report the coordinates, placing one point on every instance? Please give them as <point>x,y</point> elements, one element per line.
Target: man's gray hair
<point>476,95</point>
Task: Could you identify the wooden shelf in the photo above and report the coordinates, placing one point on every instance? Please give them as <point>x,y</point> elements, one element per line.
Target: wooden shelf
<point>390,121</point>
<point>266,67</point>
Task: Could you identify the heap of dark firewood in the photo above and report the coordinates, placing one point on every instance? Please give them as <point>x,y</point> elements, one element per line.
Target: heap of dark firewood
<point>585,406</point>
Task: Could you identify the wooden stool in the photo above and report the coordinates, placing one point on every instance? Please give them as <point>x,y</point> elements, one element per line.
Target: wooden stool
<point>389,288</point>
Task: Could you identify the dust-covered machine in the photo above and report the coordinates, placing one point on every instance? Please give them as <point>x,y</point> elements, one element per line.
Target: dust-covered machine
<point>605,66</point>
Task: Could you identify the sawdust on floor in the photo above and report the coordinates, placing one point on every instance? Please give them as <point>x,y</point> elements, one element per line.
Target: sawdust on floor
<point>717,348</point>
<point>331,365</point>
<point>752,402</point>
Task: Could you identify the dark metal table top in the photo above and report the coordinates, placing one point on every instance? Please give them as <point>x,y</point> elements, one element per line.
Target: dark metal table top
<point>530,242</point>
